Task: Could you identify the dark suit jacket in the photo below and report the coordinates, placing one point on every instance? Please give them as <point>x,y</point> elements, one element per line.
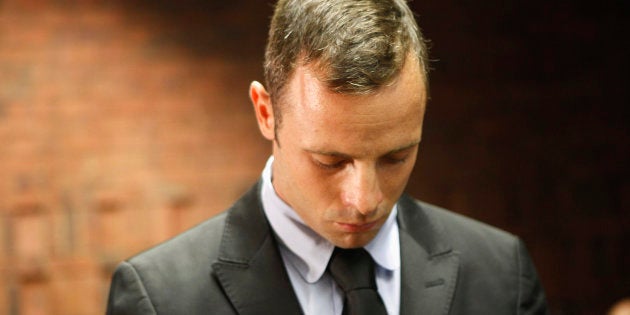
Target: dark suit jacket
<point>231,264</point>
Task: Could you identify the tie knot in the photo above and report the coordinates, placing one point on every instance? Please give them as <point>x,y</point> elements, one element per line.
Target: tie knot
<point>352,269</point>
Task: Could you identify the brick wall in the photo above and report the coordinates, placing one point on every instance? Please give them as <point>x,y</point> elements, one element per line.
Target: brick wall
<point>114,137</point>
<point>123,123</point>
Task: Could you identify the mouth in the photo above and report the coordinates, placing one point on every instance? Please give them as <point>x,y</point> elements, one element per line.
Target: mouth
<point>356,228</point>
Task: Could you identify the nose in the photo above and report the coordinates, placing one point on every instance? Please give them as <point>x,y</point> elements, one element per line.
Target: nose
<point>362,191</point>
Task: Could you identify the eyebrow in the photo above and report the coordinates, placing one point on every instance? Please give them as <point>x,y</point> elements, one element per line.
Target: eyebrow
<point>347,156</point>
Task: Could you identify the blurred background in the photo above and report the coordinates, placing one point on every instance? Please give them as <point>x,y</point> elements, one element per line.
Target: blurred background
<point>123,123</point>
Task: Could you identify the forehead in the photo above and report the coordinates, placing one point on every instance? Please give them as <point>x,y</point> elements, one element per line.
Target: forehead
<point>319,119</point>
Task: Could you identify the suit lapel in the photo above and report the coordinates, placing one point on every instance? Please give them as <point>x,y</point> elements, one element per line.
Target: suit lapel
<point>252,274</point>
<point>429,265</point>
<point>250,267</point>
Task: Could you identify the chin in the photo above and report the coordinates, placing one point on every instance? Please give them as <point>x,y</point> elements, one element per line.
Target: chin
<point>353,241</point>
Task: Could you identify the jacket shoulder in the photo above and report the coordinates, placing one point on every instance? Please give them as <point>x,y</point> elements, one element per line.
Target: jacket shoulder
<point>174,277</point>
<point>453,229</point>
<point>494,265</point>
<point>185,248</point>
<point>482,249</point>
<point>461,228</point>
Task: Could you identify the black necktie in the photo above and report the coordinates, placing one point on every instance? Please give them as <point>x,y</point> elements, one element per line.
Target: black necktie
<point>353,270</point>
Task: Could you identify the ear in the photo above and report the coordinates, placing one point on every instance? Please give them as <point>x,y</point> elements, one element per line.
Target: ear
<point>263,109</point>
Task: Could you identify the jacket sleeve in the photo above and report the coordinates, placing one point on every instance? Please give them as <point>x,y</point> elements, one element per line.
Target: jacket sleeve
<point>531,296</point>
<point>127,294</point>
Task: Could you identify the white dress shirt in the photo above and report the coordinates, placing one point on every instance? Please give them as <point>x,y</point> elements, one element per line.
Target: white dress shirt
<point>306,255</point>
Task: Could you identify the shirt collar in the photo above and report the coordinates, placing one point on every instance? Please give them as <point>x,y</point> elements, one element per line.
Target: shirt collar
<point>312,252</point>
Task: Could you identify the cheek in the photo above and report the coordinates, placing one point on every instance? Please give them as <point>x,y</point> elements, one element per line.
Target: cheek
<point>321,196</point>
<point>315,190</point>
<point>394,183</point>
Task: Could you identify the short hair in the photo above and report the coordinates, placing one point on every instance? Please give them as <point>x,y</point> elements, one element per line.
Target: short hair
<point>356,45</point>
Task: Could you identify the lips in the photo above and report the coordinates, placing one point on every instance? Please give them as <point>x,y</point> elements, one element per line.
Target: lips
<point>356,228</point>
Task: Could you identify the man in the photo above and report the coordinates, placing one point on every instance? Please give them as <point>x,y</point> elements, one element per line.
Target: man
<point>328,229</point>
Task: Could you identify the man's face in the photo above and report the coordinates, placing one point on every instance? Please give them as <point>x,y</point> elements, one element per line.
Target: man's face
<point>342,161</point>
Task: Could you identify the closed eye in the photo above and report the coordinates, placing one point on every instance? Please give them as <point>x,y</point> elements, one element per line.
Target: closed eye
<point>395,160</point>
<point>330,165</point>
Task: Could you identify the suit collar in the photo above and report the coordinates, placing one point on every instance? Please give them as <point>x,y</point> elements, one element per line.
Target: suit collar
<point>424,230</point>
<point>249,265</point>
<point>429,264</point>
